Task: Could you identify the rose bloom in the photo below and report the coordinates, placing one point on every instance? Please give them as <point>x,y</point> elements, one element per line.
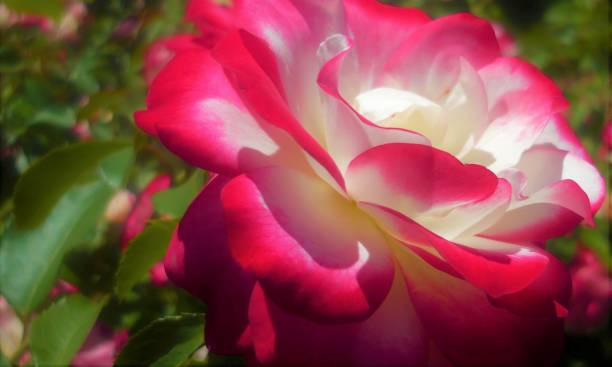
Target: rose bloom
<point>385,184</point>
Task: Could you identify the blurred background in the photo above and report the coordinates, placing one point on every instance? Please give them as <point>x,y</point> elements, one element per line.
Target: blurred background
<point>79,182</point>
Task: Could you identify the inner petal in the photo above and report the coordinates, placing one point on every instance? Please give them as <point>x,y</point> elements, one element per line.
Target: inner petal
<point>391,107</point>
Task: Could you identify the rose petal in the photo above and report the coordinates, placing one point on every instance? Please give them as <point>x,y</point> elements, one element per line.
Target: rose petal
<point>197,114</point>
<point>392,336</point>
<point>199,260</point>
<point>413,179</point>
<point>522,100</point>
<point>496,267</point>
<point>311,249</point>
<point>548,213</point>
<point>252,68</point>
<point>468,330</point>
<point>428,62</point>
<point>393,24</point>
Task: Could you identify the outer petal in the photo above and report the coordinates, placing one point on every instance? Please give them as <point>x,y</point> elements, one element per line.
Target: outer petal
<point>312,250</point>
<point>522,100</point>
<point>212,19</point>
<point>197,114</point>
<point>468,330</point>
<point>199,260</point>
<point>428,61</point>
<point>163,50</point>
<point>253,69</point>
<point>393,25</point>
<point>413,178</point>
<point>497,268</point>
<point>547,296</point>
<point>392,336</point>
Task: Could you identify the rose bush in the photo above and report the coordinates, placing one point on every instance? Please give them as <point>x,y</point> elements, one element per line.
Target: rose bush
<point>385,185</point>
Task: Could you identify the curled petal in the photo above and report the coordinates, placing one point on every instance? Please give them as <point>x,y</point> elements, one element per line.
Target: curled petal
<point>547,296</point>
<point>545,164</point>
<point>413,179</point>
<point>522,101</point>
<point>196,113</point>
<point>548,213</point>
<point>311,249</point>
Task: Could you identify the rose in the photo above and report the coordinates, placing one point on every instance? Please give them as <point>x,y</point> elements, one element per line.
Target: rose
<point>385,183</point>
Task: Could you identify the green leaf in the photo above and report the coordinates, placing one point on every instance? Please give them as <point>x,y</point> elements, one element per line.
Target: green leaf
<point>143,252</point>
<point>165,342</point>
<point>176,200</point>
<point>60,116</point>
<point>41,186</point>
<point>30,258</point>
<point>58,333</point>
<point>597,240</point>
<point>51,8</point>
<point>4,362</point>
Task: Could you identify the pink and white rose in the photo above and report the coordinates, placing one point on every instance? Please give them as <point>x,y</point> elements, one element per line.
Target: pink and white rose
<point>385,184</point>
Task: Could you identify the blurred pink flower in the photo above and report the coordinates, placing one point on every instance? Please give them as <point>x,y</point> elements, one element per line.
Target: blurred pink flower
<point>62,287</point>
<point>141,212</point>
<point>81,131</point>
<point>100,347</point>
<point>65,29</point>
<point>592,292</point>
<point>127,28</point>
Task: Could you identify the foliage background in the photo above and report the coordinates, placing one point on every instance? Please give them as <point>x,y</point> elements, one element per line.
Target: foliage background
<point>51,214</point>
